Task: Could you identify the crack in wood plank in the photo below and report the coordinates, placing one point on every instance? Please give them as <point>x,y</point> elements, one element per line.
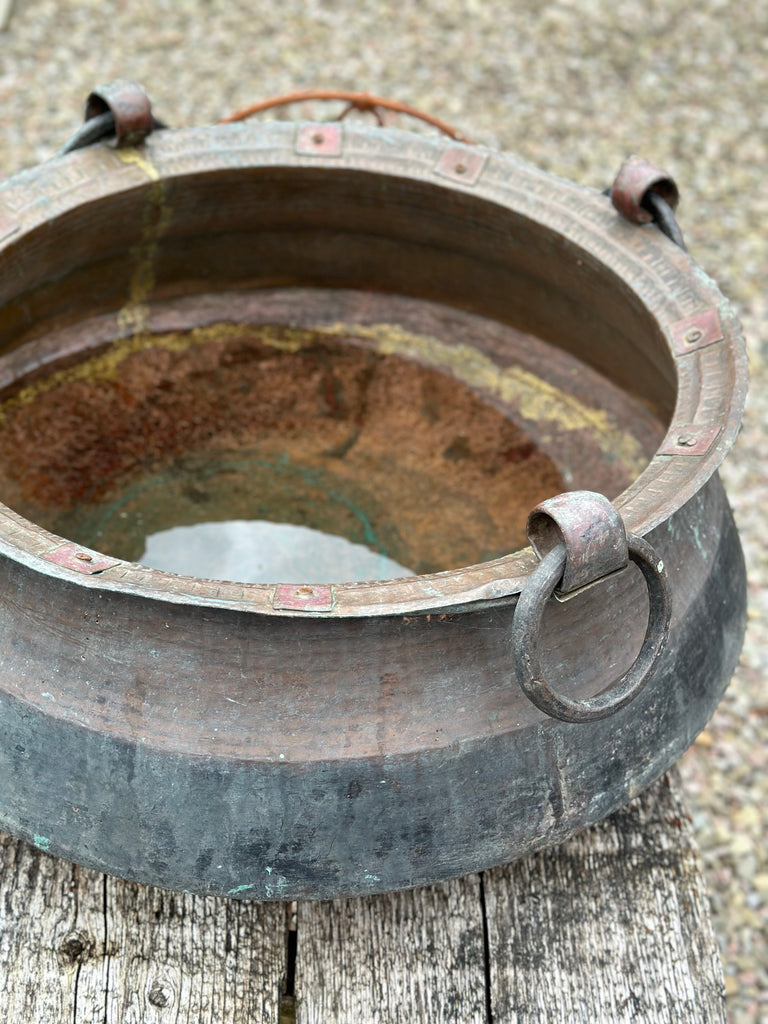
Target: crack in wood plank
<point>611,927</point>
<point>132,954</point>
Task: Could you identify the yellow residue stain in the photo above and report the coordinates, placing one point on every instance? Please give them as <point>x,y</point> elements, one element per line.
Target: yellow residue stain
<point>134,316</point>
<point>106,365</point>
<point>536,399</point>
<point>133,156</point>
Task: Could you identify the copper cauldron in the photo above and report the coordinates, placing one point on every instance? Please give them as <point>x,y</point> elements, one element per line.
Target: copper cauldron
<point>402,339</point>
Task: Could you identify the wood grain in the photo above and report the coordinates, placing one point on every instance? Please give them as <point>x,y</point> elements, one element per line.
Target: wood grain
<point>79,946</point>
<point>611,927</point>
<point>407,956</point>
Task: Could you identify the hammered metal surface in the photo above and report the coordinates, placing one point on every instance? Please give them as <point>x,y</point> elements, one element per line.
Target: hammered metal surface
<point>363,747</point>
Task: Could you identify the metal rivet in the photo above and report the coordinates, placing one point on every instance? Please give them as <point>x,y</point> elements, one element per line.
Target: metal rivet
<point>305,590</point>
<point>84,557</point>
<point>461,164</point>
<point>691,439</point>
<point>318,138</point>
<point>696,332</point>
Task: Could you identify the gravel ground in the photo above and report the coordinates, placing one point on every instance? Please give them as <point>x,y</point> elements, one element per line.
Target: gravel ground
<point>571,86</point>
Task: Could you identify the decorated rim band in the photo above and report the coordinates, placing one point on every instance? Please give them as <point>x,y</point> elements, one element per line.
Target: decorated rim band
<point>698,327</point>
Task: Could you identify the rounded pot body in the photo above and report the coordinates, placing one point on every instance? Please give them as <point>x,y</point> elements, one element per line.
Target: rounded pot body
<point>276,741</point>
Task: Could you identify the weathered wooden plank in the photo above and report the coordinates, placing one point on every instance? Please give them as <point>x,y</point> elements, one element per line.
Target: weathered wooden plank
<point>408,956</point>
<point>47,929</point>
<point>613,926</point>
<point>199,959</point>
<point>78,946</point>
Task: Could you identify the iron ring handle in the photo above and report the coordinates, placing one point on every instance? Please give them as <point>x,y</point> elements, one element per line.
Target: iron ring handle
<point>527,625</point>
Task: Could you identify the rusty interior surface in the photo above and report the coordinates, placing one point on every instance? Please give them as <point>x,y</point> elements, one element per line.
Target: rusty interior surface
<point>330,427</point>
<point>404,376</point>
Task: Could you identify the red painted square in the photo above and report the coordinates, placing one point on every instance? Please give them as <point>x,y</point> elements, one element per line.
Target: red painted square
<point>319,140</point>
<point>75,556</point>
<point>690,439</point>
<point>303,597</point>
<point>461,163</point>
<point>696,332</point>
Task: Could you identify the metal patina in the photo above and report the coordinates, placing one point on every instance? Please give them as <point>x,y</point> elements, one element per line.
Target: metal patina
<point>398,338</point>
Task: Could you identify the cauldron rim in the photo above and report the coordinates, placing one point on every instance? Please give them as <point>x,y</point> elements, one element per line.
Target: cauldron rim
<point>711,374</point>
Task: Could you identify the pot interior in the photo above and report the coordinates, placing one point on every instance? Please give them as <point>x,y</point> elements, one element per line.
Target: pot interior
<point>412,376</point>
